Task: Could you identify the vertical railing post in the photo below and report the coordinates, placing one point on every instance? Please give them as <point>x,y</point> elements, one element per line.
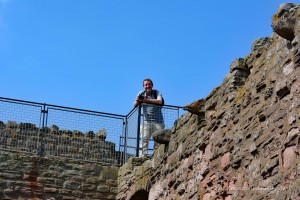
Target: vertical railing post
<point>125,141</point>
<point>42,148</point>
<point>138,130</point>
<point>121,150</point>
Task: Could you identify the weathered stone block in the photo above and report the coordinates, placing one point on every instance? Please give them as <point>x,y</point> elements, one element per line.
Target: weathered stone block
<point>77,193</point>
<point>264,42</point>
<point>91,169</point>
<point>64,191</point>
<point>8,191</point>
<point>292,134</point>
<point>238,64</point>
<point>109,173</point>
<point>162,136</point>
<point>10,176</point>
<point>92,180</point>
<point>103,188</point>
<point>284,21</point>
<point>113,190</point>
<point>88,187</point>
<point>50,190</point>
<point>289,157</point>
<point>111,182</point>
<point>46,180</point>
<point>72,185</point>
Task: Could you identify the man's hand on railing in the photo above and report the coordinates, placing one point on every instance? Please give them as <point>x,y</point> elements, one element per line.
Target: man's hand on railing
<point>146,100</point>
<point>152,101</point>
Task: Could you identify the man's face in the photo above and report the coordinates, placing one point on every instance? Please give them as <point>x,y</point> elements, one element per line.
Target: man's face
<point>148,85</point>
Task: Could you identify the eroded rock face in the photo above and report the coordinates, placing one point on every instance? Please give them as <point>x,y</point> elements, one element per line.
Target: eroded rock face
<point>261,43</point>
<point>286,23</point>
<point>162,136</point>
<point>248,147</point>
<point>284,20</point>
<point>196,107</point>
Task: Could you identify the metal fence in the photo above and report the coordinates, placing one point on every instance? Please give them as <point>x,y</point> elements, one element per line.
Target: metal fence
<point>137,125</point>
<point>50,130</point>
<point>20,126</point>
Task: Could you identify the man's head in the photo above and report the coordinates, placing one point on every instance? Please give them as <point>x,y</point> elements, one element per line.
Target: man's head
<point>147,84</point>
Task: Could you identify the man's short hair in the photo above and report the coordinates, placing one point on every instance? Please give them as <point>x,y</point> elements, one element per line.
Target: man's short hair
<point>147,79</point>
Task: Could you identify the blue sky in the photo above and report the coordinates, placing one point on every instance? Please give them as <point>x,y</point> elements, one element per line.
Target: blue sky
<point>94,54</point>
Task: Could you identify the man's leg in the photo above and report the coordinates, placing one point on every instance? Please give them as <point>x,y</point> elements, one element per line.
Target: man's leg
<point>145,136</point>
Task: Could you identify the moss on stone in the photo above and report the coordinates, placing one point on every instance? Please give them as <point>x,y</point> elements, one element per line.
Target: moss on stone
<point>213,92</point>
<point>240,94</point>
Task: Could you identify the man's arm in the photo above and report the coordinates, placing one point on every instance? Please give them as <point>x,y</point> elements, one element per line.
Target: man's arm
<point>145,100</point>
<point>153,101</point>
<point>136,102</point>
<point>157,101</point>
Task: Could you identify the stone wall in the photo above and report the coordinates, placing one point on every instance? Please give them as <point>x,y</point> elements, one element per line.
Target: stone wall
<point>30,177</point>
<point>89,146</point>
<point>59,173</point>
<point>242,140</point>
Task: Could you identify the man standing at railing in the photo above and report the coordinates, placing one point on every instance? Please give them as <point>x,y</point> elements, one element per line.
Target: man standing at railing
<point>151,102</point>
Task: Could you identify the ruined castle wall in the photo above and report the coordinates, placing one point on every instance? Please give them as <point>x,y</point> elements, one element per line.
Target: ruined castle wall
<point>24,176</point>
<point>246,146</point>
<point>59,173</point>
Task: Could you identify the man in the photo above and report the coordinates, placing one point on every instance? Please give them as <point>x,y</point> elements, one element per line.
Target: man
<point>151,112</point>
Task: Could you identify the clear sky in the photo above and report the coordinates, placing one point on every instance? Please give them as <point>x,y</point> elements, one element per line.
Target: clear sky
<point>94,54</point>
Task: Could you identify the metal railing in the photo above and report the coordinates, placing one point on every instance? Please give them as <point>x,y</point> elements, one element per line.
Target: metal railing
<point>51,130</point>
<point>136,122</point>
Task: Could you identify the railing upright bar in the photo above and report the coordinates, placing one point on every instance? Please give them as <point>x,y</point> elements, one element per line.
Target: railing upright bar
<point>138,130</point>
<point>42,148</point>
<point>120,145</point>
<point>125,140</point>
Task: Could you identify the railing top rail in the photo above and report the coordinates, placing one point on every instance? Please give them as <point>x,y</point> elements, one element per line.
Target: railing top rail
<point>168,106</point>
<point>83,110</point>
<point>61,107</point>
<point>171,106</point>
<point>21,101</point>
